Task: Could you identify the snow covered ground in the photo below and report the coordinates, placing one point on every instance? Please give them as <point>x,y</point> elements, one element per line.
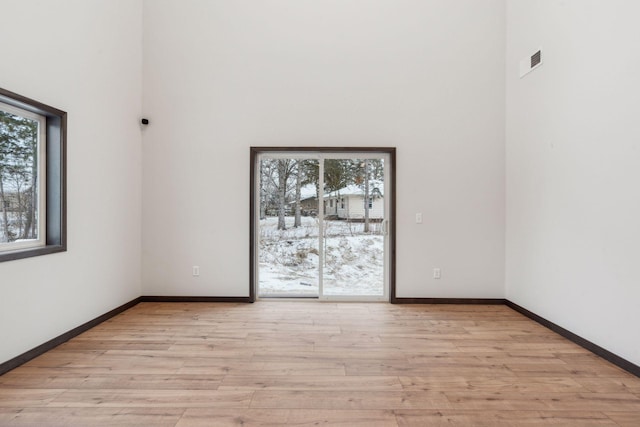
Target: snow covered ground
<point>288,259</point>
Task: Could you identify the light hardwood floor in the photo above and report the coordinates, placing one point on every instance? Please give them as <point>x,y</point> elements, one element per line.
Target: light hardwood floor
<point>309,363</point>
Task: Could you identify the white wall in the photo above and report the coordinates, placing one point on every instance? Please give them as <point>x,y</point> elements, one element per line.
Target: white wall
<point>424,76</point>
<point>83,57</point>
<point>573,205</point>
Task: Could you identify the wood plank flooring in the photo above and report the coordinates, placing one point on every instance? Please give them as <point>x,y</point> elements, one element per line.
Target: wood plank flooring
<point>276,363</point>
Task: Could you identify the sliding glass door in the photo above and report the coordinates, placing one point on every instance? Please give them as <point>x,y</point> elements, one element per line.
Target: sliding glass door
<point>322,225</point>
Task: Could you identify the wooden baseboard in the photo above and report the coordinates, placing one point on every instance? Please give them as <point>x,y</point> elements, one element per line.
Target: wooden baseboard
<point>53,343</point>
<point>483,301</point>
<point>594,348</point>
<point>582,342</point>
<point>159,298</point>
<point>60,339</point>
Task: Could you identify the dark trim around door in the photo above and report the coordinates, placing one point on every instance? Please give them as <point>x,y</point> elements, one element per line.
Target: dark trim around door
<point>255,151</point>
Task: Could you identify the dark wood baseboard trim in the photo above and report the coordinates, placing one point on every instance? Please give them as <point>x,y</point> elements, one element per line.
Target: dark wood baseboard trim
<point>60,339</point>
<point>594,348</point>
<point>53,343</point>
<point>158,298</point>
<point>577,339</point>
<point>460,301</point>
<point>582,342</point>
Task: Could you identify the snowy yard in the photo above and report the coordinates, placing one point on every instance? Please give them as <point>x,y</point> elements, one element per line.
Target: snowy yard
<point>288,260</point>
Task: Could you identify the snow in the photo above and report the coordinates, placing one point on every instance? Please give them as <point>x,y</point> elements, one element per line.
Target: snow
<point>375,187</point>
<point>288,259</point>
<point>308,191</point>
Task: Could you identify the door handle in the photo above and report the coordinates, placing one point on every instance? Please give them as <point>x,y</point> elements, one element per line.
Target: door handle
<point>385,227</point>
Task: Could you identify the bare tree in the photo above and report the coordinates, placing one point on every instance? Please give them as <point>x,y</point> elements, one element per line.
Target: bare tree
<point>282,192</point>
<point>267,183</point>
<point>18,165</point>
<point>5,220</point>
<point>298,221</point>
<point>366,196</point>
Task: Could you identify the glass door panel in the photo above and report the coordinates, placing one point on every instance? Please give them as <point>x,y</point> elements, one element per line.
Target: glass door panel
<point>354,227</point>
<point>288,229</point>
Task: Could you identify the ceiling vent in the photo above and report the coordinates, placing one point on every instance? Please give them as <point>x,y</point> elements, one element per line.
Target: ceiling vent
<point>529,64</point>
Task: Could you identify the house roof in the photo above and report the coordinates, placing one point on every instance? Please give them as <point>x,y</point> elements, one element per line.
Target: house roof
<point>375,187</point>
<point>308,191</point>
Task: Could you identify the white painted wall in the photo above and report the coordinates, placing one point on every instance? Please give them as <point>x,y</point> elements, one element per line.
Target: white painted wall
<point>84,57</point>
<point>424,76</point>
<point>573,156</point>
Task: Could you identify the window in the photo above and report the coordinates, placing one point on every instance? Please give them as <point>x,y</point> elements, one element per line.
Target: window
<point>32,178</point>
<point>342,203</point>
<point>22,178</point>
<point>370,202</point>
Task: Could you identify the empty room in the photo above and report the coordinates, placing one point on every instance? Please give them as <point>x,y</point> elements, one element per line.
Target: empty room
<point>319,212</point>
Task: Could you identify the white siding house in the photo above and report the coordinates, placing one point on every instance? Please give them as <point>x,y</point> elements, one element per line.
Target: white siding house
<point>348,203</point>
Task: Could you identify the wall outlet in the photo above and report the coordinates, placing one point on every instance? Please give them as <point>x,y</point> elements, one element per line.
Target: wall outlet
<point>419,218</point>
<point>196,271</point>
<point>436,273</point>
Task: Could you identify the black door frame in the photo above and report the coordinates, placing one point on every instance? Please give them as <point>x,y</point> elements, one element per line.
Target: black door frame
<point>255,151</point>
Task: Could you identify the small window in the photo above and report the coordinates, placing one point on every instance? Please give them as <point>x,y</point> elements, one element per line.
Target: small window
<point>32,178</point>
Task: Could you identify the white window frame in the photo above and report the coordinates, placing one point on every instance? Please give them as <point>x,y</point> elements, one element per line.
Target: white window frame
<point>41,207</point>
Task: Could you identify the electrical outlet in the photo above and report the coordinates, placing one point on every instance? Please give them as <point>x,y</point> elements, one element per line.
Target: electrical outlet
<point>196,271</point>
<point>437,273</point>
<point>419,218</point>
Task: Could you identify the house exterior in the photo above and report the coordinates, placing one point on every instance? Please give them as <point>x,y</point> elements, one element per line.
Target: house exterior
<point>308,202</point>
<point>346,203</point>
<point>349,203</point>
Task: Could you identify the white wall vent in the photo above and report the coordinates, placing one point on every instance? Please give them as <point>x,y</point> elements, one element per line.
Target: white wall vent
<point>529,64</point>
